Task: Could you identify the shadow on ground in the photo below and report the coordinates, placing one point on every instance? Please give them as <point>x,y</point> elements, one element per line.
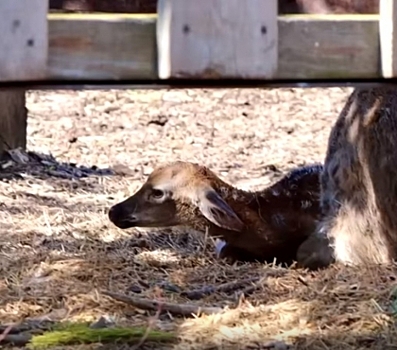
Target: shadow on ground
<point>62,278</point>
<point>18,163</point>
<point>59,252</point>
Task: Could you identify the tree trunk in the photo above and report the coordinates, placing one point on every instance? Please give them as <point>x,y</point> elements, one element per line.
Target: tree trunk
<point>13,119</point>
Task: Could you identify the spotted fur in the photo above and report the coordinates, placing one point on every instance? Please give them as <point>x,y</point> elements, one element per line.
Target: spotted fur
<point>263,225</point>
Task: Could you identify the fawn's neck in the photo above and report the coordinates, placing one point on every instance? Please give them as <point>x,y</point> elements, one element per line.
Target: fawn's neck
<point>234,196</point>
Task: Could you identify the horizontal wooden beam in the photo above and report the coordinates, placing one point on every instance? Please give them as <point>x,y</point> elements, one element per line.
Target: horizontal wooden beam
<point>102,46</point>
<point>328,46</point>
<point>122,47</point>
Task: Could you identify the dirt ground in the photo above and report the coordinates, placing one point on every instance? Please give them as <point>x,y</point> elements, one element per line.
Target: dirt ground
<point>59,252</point>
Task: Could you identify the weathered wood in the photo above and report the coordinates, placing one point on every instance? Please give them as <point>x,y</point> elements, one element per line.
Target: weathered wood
<point>13,120</point>
<point>328,46</point>
<point>217,38</point>
<point>102,46</point>
<point>284,6</point>
<point>23,39</point>
<point>112,6</point>
<point>388,37</point>
<point>124,46</point>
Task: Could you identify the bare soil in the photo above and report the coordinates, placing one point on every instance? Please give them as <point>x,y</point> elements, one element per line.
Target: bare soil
<point>59,252</point>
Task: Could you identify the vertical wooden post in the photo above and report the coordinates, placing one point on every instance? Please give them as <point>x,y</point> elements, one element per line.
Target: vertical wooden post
<point>23,55</point>
<point>23,39</point>
<point>388,37</point>
<point>217,38</point>
<point>13,119</point>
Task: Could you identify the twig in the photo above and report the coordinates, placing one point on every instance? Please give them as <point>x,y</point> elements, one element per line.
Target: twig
<point>26,326</point>
<point>248,290</point>
<point>149,328</point>
<point>175,309</point>
<point>5,332</point>
<point>18,334</point>
<point>276,345</point>
<point>222,288</point>
<point>232,286</point>
<point>16,339</point>
<point>205,240</point>
<point>303,281</point>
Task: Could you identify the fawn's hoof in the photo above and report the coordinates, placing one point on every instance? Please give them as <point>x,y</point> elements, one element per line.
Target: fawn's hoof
<point>315,253</point>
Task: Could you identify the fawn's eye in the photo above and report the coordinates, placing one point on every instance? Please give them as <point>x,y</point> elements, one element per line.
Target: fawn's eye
<point>157,194</point>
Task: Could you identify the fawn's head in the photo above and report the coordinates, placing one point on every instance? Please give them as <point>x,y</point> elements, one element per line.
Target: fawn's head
<point>180,193</point>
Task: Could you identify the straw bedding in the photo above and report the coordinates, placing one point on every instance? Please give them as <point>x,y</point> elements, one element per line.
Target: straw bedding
<point>59,254</point>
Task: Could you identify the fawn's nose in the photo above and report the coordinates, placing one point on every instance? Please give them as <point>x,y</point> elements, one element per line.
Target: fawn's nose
<point>114,213</point>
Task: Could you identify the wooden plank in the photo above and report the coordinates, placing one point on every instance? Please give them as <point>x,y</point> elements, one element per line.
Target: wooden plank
<point>310,46</point>
<point>23,39</point>
<point>217,38</point>
<point>328,46</point>
<point>388,37</point>
<point>102,46</point>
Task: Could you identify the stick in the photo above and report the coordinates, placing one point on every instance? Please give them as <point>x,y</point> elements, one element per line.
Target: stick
<point>152,322</point>
<point>28,325</point>
<point>222,288</point>
<point>232,286</point>
<point>175,309</point>
<point>5,332</point>
<point>246,291</point>
<point>17,339</point>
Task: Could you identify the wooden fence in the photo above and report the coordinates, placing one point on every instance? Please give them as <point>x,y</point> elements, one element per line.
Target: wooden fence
<point>191,39</point>
<point>186,40</point>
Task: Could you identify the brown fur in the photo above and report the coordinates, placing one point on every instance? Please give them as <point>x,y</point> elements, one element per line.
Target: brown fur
<point>359,184</point>
<point>260,225</point>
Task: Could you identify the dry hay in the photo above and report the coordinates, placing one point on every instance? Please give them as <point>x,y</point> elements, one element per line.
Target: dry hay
<point>59,252</point>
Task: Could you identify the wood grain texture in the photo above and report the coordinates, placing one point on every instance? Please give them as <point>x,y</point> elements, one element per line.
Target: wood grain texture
<point>102,46</point>
<point>23,39</point>
<point>13,119</point>
<point>124,46</point>
<point>388,37</point>
<point>328,46</point>
<point>217,38</point>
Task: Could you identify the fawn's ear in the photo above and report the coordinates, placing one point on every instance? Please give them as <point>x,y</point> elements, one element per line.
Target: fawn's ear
<point>216,210</point>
